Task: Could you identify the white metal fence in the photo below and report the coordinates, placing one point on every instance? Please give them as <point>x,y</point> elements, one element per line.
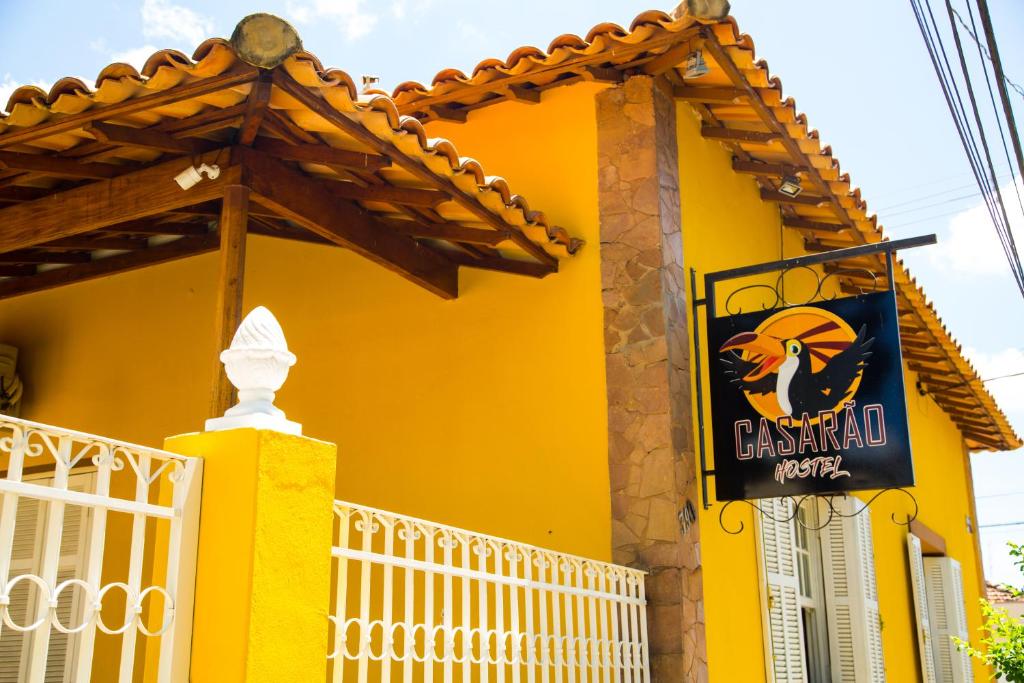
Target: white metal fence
<point>97,557</point>
<point>418,601</point>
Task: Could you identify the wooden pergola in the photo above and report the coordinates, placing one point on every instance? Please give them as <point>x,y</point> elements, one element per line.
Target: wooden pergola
<point>87,178</point>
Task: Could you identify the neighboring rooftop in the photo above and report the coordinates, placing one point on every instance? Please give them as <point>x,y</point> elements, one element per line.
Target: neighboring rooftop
<point>996,593</point>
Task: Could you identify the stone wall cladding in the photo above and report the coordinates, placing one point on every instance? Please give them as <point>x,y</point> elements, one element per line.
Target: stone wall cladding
<point>651,446</point>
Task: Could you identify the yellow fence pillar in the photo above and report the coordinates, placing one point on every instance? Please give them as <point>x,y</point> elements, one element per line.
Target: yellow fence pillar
<point>263,573</point>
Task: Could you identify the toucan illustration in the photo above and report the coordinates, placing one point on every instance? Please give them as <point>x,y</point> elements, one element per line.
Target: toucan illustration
<point>783,366</point>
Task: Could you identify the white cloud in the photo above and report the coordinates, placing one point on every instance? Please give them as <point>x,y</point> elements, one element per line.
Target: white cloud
<point>1008,392</point>
<point>161,19</point>
<point>9,85</point>
<point>136,56</point>
<point>972,246</point>
<point>349,15</point>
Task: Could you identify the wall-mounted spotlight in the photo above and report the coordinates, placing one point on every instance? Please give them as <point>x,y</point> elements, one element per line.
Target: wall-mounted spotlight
<point>370,82</point>
<point>193,174</point>
<point>790,186</point>
<point>695,65</point>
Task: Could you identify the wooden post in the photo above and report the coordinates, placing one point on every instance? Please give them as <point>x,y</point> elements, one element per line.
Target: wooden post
<point>234,216</point>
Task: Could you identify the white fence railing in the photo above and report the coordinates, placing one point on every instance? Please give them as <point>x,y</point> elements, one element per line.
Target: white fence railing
<point>418,601</point>
<point>97,557</point>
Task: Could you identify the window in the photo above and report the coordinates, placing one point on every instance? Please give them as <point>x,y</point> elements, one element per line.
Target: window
<point>812,596</point>
<point>822,621</point>
<point>27,553</point>
<point>937,585</point>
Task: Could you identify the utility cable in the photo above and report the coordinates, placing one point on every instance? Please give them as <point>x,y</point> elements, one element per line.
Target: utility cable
<point>1006,235</point>
<point>954,101</point>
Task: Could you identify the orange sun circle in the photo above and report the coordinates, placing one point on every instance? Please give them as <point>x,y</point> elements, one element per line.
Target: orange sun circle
<point>791,324</point>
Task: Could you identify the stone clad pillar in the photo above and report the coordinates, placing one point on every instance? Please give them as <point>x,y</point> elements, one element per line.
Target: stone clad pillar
<point>651,453</point>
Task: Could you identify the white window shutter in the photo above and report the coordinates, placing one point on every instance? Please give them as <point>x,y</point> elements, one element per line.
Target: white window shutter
<point>27,538</point>
<point>948,619</point>
<point>851,594</point>
<point>785,656</point>
<point>924,627</point>
<point>29,528</point>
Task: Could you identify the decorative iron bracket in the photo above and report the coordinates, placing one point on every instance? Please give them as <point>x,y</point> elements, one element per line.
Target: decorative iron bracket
<point>832,513</point>
<point>777,299</point>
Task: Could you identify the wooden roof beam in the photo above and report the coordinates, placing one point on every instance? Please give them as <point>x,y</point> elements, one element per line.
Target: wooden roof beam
<point>760,168</point>
<point>322,154</point>
<point>801,199</point>
<point>407,163</point>
<point>738,135</point>
<point>187,246</point>
<point>58,166</point>
<point>522,93</point>
<point>805,224</point>
<point>92,244</point>
<point>689,93</point>
<point>405,196</point>
<point>151,227</point>
<point>255,110</point>
<point>504,265</point>
<point>308,202</point>
<point>145,138</point>
<point>70,122</point>
<point>129,197</point>
<point>21,256</point>
<point>17,271</point>
<point>15,193</point>
<point>451,233</point>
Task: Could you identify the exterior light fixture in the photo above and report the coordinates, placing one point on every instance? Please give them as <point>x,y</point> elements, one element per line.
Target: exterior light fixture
<point>790,186</point>
<point>193,174</point>
<point>695,65</point>
<point>370,81</point>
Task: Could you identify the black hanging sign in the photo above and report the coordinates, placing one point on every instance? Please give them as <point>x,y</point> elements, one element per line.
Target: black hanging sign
<point>809,399</point>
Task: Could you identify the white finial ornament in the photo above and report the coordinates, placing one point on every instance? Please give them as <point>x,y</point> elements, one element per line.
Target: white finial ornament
<point>257,364</point>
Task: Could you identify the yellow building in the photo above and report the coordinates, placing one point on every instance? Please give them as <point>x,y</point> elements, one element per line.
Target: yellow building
<point>509,354</point>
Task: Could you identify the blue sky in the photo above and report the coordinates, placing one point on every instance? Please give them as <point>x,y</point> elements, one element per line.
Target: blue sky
<point>858,69</point>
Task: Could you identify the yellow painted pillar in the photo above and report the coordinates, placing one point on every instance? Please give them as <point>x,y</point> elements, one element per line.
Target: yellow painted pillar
<point>264,565</point>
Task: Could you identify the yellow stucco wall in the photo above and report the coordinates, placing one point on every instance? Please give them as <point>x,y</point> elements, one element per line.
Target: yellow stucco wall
<point>479,412</point>
<point>731,585</point>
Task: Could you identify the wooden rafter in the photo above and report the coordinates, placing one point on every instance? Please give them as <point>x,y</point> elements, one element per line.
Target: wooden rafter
<point>255,110</point>
<point>407,163</point>
<point>181,248</point>
<point>146,139</point>
<point>104,203</point>
<point>322,154</point>
<point>308,202</point>
<point>452,233</point>
<point>738,135</point>
<point>57,166</point>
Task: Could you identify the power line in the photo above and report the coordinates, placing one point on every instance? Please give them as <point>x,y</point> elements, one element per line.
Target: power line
<point>983,49</point>
<point>1004,97</point>
<point>982,167</point>
<point>998,206</point>
<point>1001,495</point>
<point>989,526</point>
<point>992,100</point>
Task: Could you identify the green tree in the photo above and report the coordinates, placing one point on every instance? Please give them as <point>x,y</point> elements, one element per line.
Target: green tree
<point>1002,643</point>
